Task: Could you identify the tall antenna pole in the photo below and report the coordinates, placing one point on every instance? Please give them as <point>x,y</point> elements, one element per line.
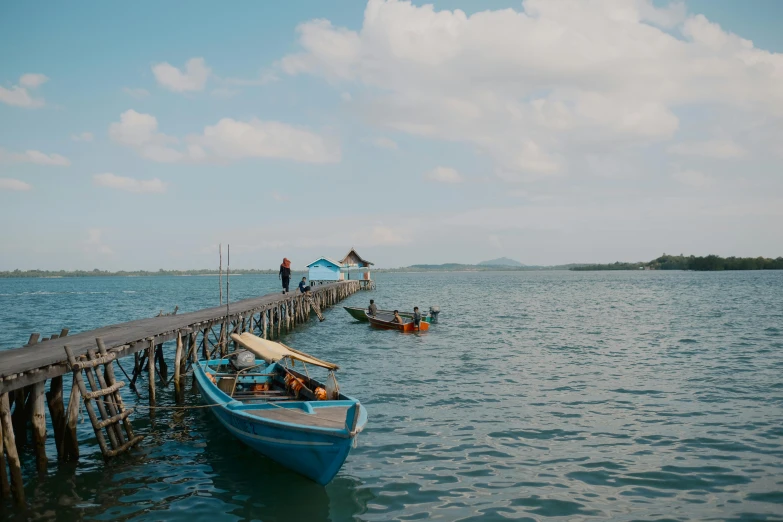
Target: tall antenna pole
<point>228,278</point>
<point>220,272</point>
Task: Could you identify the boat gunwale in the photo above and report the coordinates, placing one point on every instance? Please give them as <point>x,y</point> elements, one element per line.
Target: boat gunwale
<point>236,407</point>
<point>408,315</point>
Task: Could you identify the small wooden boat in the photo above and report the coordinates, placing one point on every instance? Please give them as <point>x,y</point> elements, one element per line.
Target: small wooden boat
<point>360,314</point>
<point>387,322</point>
<point>283,414</point>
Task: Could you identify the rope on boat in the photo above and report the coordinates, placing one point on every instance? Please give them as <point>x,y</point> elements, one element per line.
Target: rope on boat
<point>202,406</point>
<point>194,407</point>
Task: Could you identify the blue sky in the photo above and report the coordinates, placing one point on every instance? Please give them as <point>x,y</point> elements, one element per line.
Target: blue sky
<point>141,135</point>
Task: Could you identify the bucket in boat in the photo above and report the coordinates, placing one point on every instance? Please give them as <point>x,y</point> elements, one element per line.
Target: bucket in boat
<point>226,384</point>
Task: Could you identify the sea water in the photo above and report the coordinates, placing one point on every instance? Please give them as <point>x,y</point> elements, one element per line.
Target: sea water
<point>538,396</point>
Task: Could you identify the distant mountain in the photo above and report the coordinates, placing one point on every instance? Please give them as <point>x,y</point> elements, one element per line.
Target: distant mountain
<point>501,261</point>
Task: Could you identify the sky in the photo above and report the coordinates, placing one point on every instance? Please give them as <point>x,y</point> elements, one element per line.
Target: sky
<point>142,135</point>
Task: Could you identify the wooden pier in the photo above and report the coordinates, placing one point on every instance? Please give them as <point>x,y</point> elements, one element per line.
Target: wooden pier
<point>205,333</point>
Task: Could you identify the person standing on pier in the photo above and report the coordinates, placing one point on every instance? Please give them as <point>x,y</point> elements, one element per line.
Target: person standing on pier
<point>285,273</point>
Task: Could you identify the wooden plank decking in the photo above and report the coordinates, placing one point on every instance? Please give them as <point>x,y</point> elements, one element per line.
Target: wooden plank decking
<point>32,363</point>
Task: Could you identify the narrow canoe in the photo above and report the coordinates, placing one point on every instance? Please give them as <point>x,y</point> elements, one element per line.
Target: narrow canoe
<point>386,322</point>
<point>360,314</point>
<point>309,436</point>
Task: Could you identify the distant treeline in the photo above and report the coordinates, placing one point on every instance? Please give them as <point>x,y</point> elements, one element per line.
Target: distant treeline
<point>709,263</point>
<point>459,267</point>
<point>137,273</point>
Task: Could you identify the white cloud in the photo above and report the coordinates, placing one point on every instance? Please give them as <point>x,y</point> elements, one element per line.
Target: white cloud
<point>692,178</point>
<point>279,197</point>
<point>538,89</point>
<point>232,139</point>
<point>346,97</point>
<point>137,92</point>
<point>14,184</point>
<point>19,96</point>
<point>34,156</point>
<point>140,131</point>
<point>84,136</point>
<point>444,175</point>
<point>94,243</point>
<point>384,143</point>
<point>110,180</point>
<point>228,139</point>
<point>32,80</point>
<point>194,77</point>
<point>719,149</point>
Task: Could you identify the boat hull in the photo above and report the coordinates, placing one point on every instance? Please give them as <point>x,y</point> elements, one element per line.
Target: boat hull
<point>407,327</point>
<point>316,453</point>
<point>360,314</point>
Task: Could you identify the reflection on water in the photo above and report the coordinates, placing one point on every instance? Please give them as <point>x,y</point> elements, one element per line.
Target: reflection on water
<point>564,396</point>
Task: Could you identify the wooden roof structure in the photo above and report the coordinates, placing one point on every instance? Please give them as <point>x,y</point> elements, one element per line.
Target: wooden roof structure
<point>354,259</point>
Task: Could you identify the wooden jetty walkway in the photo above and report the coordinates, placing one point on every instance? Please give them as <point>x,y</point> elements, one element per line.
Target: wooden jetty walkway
<point>24,371</point>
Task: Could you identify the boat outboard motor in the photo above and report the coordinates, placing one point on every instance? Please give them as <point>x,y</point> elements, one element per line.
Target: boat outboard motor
<point>242,360</point>
<point>434,311</point>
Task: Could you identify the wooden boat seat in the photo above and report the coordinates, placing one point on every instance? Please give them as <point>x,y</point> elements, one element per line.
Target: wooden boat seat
<point>331,417</point>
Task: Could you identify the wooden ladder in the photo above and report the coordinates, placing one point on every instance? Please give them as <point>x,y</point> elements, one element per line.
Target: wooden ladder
<point>105,393</point>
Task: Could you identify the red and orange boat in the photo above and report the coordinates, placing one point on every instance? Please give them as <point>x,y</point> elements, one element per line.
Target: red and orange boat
<point>387,322</point>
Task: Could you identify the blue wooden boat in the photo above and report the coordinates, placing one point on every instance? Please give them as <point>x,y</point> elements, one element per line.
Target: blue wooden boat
<point>282,413</point>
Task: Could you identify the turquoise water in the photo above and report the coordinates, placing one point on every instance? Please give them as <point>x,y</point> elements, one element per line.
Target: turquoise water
<point>539,396</point>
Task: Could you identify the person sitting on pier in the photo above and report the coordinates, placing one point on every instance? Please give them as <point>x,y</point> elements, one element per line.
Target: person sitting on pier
<point>303,285</point>
<point>416,316</point>
<point>372,309</point>
<point>397,318</point>
<point>285,273</point>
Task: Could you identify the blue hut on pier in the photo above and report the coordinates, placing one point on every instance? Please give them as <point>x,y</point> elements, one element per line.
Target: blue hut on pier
<point>324,270</point>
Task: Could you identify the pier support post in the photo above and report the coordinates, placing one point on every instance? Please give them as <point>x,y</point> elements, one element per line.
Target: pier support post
<point>38,421</point>
<point>14,465</point>
<point>177,368</point>
<point>19,418</point>
<point>70,440</point>
<point>151,372</point>
<point>221,337</point>
<point>163,368</point>
<point>54,398</point>
<point>5,487</point>
<point>204,344</point>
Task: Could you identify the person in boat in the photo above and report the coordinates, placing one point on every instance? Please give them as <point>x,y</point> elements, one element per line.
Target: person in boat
<point>397,318</point>
<point>303,285</point>
<point>285,273</point>
<point>372,309</point>
<point>416,317</point>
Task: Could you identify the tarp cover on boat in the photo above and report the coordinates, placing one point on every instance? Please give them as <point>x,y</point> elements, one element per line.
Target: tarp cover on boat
<point>271,351</point>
